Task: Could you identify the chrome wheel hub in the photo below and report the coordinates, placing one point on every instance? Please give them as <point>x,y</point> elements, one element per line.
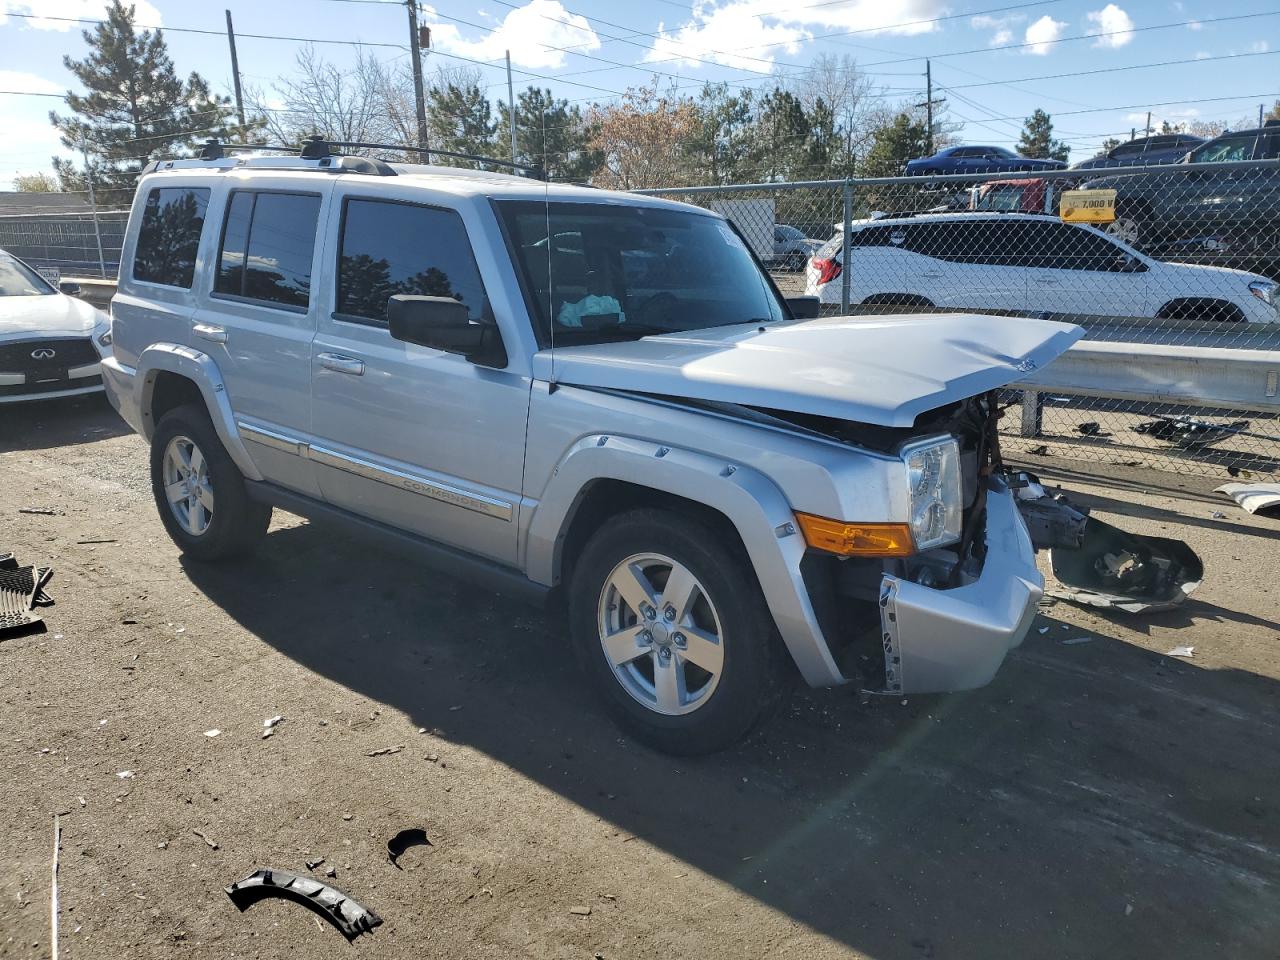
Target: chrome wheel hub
<point>661,634</point>
<point>185,473</point>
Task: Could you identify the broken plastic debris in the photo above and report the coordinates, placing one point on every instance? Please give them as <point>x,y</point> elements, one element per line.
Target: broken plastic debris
<point>1187,652</point>
<point>580,911</point>
<point>1072,641</point>
<point>125,774</point>
<point>1263,498</point>
<point>212,733</point>
<point>385,750</point>
<point>402,841</point>
<point>1044,630</point>
<point>271,722</point>
<point>350,917</point>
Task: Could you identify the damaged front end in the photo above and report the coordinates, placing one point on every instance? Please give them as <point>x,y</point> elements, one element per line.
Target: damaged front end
<point>1099,565</point>
<point>948,617</point>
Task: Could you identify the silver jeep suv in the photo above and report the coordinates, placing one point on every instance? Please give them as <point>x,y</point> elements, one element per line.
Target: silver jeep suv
<point>592,397</point>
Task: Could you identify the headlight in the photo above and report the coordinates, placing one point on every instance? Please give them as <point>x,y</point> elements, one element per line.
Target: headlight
<point>1264,290</point>
<point>933,475</point>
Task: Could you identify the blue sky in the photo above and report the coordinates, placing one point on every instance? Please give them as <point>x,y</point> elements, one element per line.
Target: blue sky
<point>994,60</point>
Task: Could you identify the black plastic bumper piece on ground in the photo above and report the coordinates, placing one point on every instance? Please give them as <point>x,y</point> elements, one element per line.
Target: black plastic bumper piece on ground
<point>346,914</point>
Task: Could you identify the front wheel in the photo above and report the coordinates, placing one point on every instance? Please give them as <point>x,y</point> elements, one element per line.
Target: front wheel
<point>199,491</point>
<point>671,629</point>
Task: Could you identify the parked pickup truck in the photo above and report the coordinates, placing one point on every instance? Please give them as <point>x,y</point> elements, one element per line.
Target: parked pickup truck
<point>594,398</point>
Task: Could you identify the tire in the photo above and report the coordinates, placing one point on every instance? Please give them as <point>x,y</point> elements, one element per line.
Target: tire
<point>707,710</point>
<point>222,521</point>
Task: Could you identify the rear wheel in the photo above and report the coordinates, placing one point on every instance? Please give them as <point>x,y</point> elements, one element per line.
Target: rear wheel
<point>199,491</point>
<point>673,633</point>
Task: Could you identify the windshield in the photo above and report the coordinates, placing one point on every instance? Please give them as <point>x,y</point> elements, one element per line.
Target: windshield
<point>19,280</point>
<point>611,272</point>
<point>1239,147</point>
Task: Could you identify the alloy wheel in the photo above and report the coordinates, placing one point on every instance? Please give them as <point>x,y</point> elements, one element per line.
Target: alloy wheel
<point>661,634</point>
<point>186,485</point>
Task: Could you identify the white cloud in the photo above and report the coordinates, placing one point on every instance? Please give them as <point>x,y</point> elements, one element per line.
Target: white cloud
<point>1202,55</point>
<point>1259,46</point>
<point>1194,25</point>
<point>67,11</point>
<point>749,34</point>
<point>535,34</point>
<point>1001,27</point>
<point>21,82</point>
<point>1115,25</point>
<point>1042,34</point>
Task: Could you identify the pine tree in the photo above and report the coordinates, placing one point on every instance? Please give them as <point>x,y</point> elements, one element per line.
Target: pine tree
<point>893,145</point>
<point>550,134</point>
<point>136,106</point>
<point>1037,139</point>
<point>461,121</point>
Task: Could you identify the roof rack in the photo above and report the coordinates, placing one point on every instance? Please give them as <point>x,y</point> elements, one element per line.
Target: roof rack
<point>317,148</point>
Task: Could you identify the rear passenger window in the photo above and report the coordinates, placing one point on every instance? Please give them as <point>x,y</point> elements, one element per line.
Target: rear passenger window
<point>389,248</point>
<point>268,240</point>
<point>169,236</point>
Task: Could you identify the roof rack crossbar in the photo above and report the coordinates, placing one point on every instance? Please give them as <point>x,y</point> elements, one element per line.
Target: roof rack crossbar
<point>531,169</point>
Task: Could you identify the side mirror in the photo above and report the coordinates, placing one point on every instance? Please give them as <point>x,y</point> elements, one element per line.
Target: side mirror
<point>442,323</point>
<point>804,308</point>
<point>70,288</point>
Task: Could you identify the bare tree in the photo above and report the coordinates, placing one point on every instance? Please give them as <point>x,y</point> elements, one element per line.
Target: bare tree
<point>339,104</point>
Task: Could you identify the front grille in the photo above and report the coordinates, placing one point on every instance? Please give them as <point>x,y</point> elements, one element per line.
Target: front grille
<point>8,390</point>
<point>16,357</point>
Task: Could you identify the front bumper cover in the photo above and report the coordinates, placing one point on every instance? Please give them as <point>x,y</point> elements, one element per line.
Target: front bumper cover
<point>956,639</point>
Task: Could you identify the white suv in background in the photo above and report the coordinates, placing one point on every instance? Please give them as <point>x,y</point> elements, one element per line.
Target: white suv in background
<point>1028,264</point>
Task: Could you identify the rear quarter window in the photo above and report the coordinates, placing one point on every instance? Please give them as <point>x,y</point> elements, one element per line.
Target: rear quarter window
<point>169,235</point>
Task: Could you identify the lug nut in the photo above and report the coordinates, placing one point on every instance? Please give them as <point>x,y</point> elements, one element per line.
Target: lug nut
<point>647,611</point>
<point>680,640</point>
<point>669,614</point>
<point>646,637</point>
<point>664,653</point>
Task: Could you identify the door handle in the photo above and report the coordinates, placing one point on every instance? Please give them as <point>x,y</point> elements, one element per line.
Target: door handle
<point>932,276</point>
<point>210,331</point>
<point>340,363</point>
<point>1046,281</point>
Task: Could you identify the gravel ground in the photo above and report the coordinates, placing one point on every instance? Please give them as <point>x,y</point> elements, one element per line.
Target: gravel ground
<point>1099,799</point>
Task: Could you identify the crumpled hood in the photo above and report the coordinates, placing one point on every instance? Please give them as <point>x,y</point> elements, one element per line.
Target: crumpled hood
<point>49,315</point>
<point>877,370</point>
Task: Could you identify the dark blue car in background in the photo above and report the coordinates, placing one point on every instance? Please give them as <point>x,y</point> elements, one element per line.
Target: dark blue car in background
<point>974,159</point>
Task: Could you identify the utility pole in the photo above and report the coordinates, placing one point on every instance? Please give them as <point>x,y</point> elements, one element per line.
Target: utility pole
<point>511,108</point>
<point>235,73</point>
<point>419,97</point>
<point>1259,115</point>
<point>1147,129</point>
<point>929,101</point>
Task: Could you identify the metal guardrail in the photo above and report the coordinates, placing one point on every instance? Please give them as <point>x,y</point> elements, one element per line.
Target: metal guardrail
<point>1225,378</point>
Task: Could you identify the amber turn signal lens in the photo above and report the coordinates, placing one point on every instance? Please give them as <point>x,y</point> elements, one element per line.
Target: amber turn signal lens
<point>856,539</point>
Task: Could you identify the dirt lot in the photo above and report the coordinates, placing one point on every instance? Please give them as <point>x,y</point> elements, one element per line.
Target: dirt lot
<point>1100,799</point>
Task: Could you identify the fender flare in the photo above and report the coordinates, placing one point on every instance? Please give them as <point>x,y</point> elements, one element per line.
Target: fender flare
<point>749,499</point>
<point>202,370</point>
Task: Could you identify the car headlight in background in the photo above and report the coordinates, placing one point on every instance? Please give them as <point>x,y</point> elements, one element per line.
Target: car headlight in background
<point>1265,291</point>
<point>933,475</point>
<point>104,339</point>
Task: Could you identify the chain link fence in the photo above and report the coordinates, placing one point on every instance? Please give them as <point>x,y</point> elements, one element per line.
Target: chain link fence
<point>79,244</point>
<point>1191,259</point>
